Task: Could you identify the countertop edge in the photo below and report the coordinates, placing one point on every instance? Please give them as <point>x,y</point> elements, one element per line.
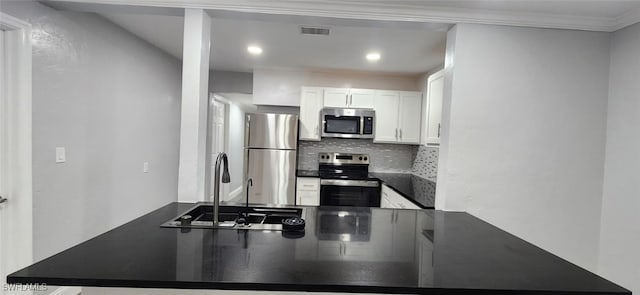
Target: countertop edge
<point>405,196</point>
<point>100,283</point>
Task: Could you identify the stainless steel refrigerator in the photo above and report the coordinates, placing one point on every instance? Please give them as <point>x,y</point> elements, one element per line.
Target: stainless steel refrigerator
<point>270,158</point>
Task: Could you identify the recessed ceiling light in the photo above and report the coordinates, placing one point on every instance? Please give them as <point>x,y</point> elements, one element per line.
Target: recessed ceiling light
<point>255,50</point>
<point>373,56</point>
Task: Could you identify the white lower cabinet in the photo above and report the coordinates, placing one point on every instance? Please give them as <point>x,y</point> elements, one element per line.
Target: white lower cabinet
<point>308,191</point>
<point>391,199</point>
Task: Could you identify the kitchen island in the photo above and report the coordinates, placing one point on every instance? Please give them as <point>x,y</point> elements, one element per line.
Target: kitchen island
<point>343,249</point>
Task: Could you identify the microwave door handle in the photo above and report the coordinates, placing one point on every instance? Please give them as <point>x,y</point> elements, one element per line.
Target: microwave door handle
<point>361,125</point>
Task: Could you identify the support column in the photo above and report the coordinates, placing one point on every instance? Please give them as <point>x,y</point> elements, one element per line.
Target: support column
<point>193,168</point>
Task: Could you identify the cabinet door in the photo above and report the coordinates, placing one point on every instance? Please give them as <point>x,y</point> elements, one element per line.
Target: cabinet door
<point>308,198</point>
<point>310,105</point>
<point>386,198</point>
<point>384,202</point>
<point>434,95</point>
<point>396,199</point>
<point>410,113</point>
<point>308,191</point>
<point>336,97</point>
<point>361,98</point>
<point>386,105</point>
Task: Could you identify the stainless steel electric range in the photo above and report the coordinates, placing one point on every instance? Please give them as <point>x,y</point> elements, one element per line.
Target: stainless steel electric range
<point>344,181</point>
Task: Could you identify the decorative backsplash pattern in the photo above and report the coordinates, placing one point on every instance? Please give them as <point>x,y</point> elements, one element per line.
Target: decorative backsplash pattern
<point>394,158</point>
<point>426,162</point>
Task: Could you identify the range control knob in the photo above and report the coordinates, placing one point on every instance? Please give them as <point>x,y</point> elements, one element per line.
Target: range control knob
<point>360,158</point>
<point>365,158</point>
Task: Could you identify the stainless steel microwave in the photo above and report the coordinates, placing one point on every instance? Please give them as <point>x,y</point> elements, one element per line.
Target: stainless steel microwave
<point>348,123</point>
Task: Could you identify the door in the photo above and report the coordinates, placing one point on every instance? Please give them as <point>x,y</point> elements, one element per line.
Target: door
<point>365,195</point>
<point>336,97</point>
<point>435,94</point>
<point>361,98</point>
<point>3,170</point>
<point>386,105</point>
<point>15,148</point>
<point>311,103</point>
<point>410,112</point>
<point>218,140</point>
<point>273,173</point>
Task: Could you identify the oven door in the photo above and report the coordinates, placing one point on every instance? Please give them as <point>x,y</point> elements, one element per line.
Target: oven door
<point>358,193</point>
<point>341,126</point>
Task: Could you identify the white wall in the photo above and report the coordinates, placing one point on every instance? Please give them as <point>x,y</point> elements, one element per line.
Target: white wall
<point>283,85</point>
<point>525,141</point>
<point>620,229</point>
<point>232,82</point>
<point>113,101</point>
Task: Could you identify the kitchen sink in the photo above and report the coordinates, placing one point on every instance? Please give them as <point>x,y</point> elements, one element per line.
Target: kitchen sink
<point>256,218</point>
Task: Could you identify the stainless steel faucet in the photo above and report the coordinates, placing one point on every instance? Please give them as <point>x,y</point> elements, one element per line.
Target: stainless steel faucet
<point>222,157</point>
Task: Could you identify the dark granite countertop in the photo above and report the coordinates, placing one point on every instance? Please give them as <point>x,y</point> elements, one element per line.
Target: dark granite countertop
<point>390,251</point>
<point>418,190</point>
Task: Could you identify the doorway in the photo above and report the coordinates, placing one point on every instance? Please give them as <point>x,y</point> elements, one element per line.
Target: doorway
<point>219,138</point>
<point>15,147</point>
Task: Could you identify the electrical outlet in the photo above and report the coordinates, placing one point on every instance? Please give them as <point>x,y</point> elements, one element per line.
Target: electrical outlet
<point>61,155</point>
<point>145,167</point>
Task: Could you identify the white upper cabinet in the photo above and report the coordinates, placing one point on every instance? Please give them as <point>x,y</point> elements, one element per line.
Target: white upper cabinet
<point>348,98</point>
<point>336,97</point>
<point>432,126</point>
<point>311,103</point>
<point>386,104</point>
<point>398,116</point>
<point>410,112</point>
<point>361,98</point>
<point>398,113</point>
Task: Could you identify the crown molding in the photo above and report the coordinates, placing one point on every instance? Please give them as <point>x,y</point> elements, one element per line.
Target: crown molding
<point>389,11</point>
<point>627,19</point>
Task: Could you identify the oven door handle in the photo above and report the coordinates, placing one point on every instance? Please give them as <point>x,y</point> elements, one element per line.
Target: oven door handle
<point>341,182</point>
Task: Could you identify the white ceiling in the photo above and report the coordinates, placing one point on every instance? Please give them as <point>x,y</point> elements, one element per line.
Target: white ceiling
<point>404,50</point>
<point>408,33</point>
<point>592,15</point>
<point>586,8</point>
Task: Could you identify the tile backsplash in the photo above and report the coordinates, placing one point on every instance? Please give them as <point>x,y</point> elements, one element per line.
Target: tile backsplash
<point>425,164</point>
<point>384,157</point>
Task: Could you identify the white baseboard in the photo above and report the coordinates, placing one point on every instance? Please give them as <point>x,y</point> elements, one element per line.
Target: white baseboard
<point>67,291</point>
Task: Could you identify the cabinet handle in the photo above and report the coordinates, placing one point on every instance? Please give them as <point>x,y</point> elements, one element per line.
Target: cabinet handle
<point>346,100</point>
<point>400,133</point>
<point>396,133</point>
<point>2,200</point>
<point>438,130</point>
<point>350,99</point>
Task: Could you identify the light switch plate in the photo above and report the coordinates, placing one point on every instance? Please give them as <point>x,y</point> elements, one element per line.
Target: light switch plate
<point>61,155</point>
<point>145,167</point>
